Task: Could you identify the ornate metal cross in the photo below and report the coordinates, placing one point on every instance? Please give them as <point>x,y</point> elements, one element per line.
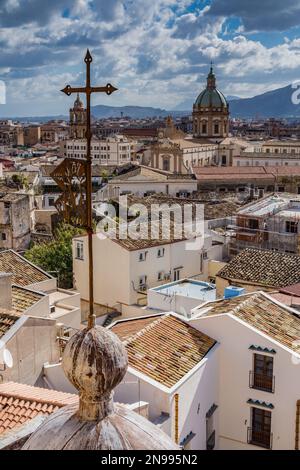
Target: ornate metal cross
<point>67,168</point>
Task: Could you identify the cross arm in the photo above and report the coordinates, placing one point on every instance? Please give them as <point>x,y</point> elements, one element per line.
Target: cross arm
<point>68,90</point>
<point>108,89</point>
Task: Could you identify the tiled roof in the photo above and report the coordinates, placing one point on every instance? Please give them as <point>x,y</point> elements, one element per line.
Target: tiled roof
<point>145,240</point>
<point>293,290</point>
<point>23,299</point>
<point>287,299</point>
<point>7,320</point>
<point>261,312</point>
<point>263,267</point>
<point>24,273</point>
<point>245,173</point>
<point>20,403</point>
<point>164,348</point>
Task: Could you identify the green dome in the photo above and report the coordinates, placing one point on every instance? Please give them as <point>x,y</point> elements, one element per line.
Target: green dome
<point>211,96</point>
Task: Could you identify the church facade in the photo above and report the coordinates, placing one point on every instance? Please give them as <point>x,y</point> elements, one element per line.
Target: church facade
<point>211,112</point>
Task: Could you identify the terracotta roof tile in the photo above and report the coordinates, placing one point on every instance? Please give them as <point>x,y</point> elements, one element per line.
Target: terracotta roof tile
<point>24,273</point>
<point>23,299</point>
<point>262,312</point>
<point>7,320</point>
<point>20,403</point>
<point>264,268</point>
<point>164,348</point>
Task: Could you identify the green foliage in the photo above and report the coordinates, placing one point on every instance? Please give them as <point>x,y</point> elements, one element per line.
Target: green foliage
<point>56,257</point>
<point>104,176</point>
<point>20,180</point>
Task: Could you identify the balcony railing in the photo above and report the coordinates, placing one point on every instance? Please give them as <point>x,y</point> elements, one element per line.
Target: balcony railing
<point>263,382</point>
<point>260,438</point>
<point>211,441</point>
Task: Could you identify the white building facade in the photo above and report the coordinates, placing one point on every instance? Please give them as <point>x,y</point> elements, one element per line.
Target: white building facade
<point>116,150</point>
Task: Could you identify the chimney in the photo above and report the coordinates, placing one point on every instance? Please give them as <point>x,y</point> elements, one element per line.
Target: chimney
<point>6,291</point>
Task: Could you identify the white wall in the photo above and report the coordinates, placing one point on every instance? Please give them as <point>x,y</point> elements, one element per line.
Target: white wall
<point>235,363</point>
<point>32,342</point>
<point>196,396</point>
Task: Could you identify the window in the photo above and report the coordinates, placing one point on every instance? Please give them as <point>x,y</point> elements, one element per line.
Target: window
<point>204,128</point>
<point>253,224</point>
<point>51,201</point>
<point>79,251</point>
<point>176,275</point>
<point>260,432</point>
<point>291,226</point>
<point>160,276</point>
<point>161,253</point>
<point>210,428</point>
<point>216,128</point>
<point>261,378</point>
<point>205,255</point>
<point>142,256</point>
<point>143,283</point>
<point>166,164</point>
<point>3,237</point>
<point>7,205</point>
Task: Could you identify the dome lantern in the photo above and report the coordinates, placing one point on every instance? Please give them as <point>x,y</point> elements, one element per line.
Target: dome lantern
<point>95,361</point>
<point>211,111</point>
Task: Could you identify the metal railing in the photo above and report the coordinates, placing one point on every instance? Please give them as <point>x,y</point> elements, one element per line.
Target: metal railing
<point>263,382</point>
<point>260,438</point>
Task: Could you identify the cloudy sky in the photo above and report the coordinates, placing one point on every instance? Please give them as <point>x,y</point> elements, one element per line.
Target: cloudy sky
<point>157,52</point>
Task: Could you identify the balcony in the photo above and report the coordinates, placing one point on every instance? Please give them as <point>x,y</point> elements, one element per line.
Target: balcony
<point>262,382</point>
<point>260,438</point>
<point>211,441</point>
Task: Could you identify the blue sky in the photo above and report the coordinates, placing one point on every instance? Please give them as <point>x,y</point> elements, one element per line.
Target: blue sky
<point>157,52</point>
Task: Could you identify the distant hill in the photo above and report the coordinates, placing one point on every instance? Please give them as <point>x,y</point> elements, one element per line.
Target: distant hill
<point>276,103</point>
<point>102,112</point>
<point>135,112</point>
<point>36,119</point>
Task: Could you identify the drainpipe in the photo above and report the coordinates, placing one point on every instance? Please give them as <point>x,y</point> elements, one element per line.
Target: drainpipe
<point>176,398</point>
<point>297,425</point>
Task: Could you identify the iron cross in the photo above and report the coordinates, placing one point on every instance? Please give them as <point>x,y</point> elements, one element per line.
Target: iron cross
<point>88,90</point>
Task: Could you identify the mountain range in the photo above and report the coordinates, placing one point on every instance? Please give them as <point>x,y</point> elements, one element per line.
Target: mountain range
<point>276,103</point>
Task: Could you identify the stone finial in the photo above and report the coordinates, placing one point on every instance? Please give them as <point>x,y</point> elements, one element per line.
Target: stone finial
<point>95,361</point>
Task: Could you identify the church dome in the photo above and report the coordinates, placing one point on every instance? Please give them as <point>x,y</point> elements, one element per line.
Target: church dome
<point>211,96</point>
<point>95,361</point>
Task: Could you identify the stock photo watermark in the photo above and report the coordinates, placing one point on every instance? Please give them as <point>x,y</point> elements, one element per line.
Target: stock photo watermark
<point>157,222</point>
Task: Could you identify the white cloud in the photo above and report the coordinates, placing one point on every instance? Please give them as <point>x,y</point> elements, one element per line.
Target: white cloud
<point>155,51</point>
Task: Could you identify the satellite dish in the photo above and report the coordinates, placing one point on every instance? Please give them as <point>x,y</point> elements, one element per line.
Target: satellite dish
<point>5,356</point>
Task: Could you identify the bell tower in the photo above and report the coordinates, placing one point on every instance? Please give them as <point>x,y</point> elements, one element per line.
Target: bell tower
<point>78,120</point>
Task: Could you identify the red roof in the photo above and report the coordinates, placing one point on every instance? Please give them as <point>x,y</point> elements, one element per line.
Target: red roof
<point>244,173</point>
<point>20,403</point>
<point>292,290</point>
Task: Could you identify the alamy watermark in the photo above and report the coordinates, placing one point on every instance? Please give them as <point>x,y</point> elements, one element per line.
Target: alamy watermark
<point>154,222</point>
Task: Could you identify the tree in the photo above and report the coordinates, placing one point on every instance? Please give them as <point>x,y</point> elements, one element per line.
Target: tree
<point>56,257</point>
